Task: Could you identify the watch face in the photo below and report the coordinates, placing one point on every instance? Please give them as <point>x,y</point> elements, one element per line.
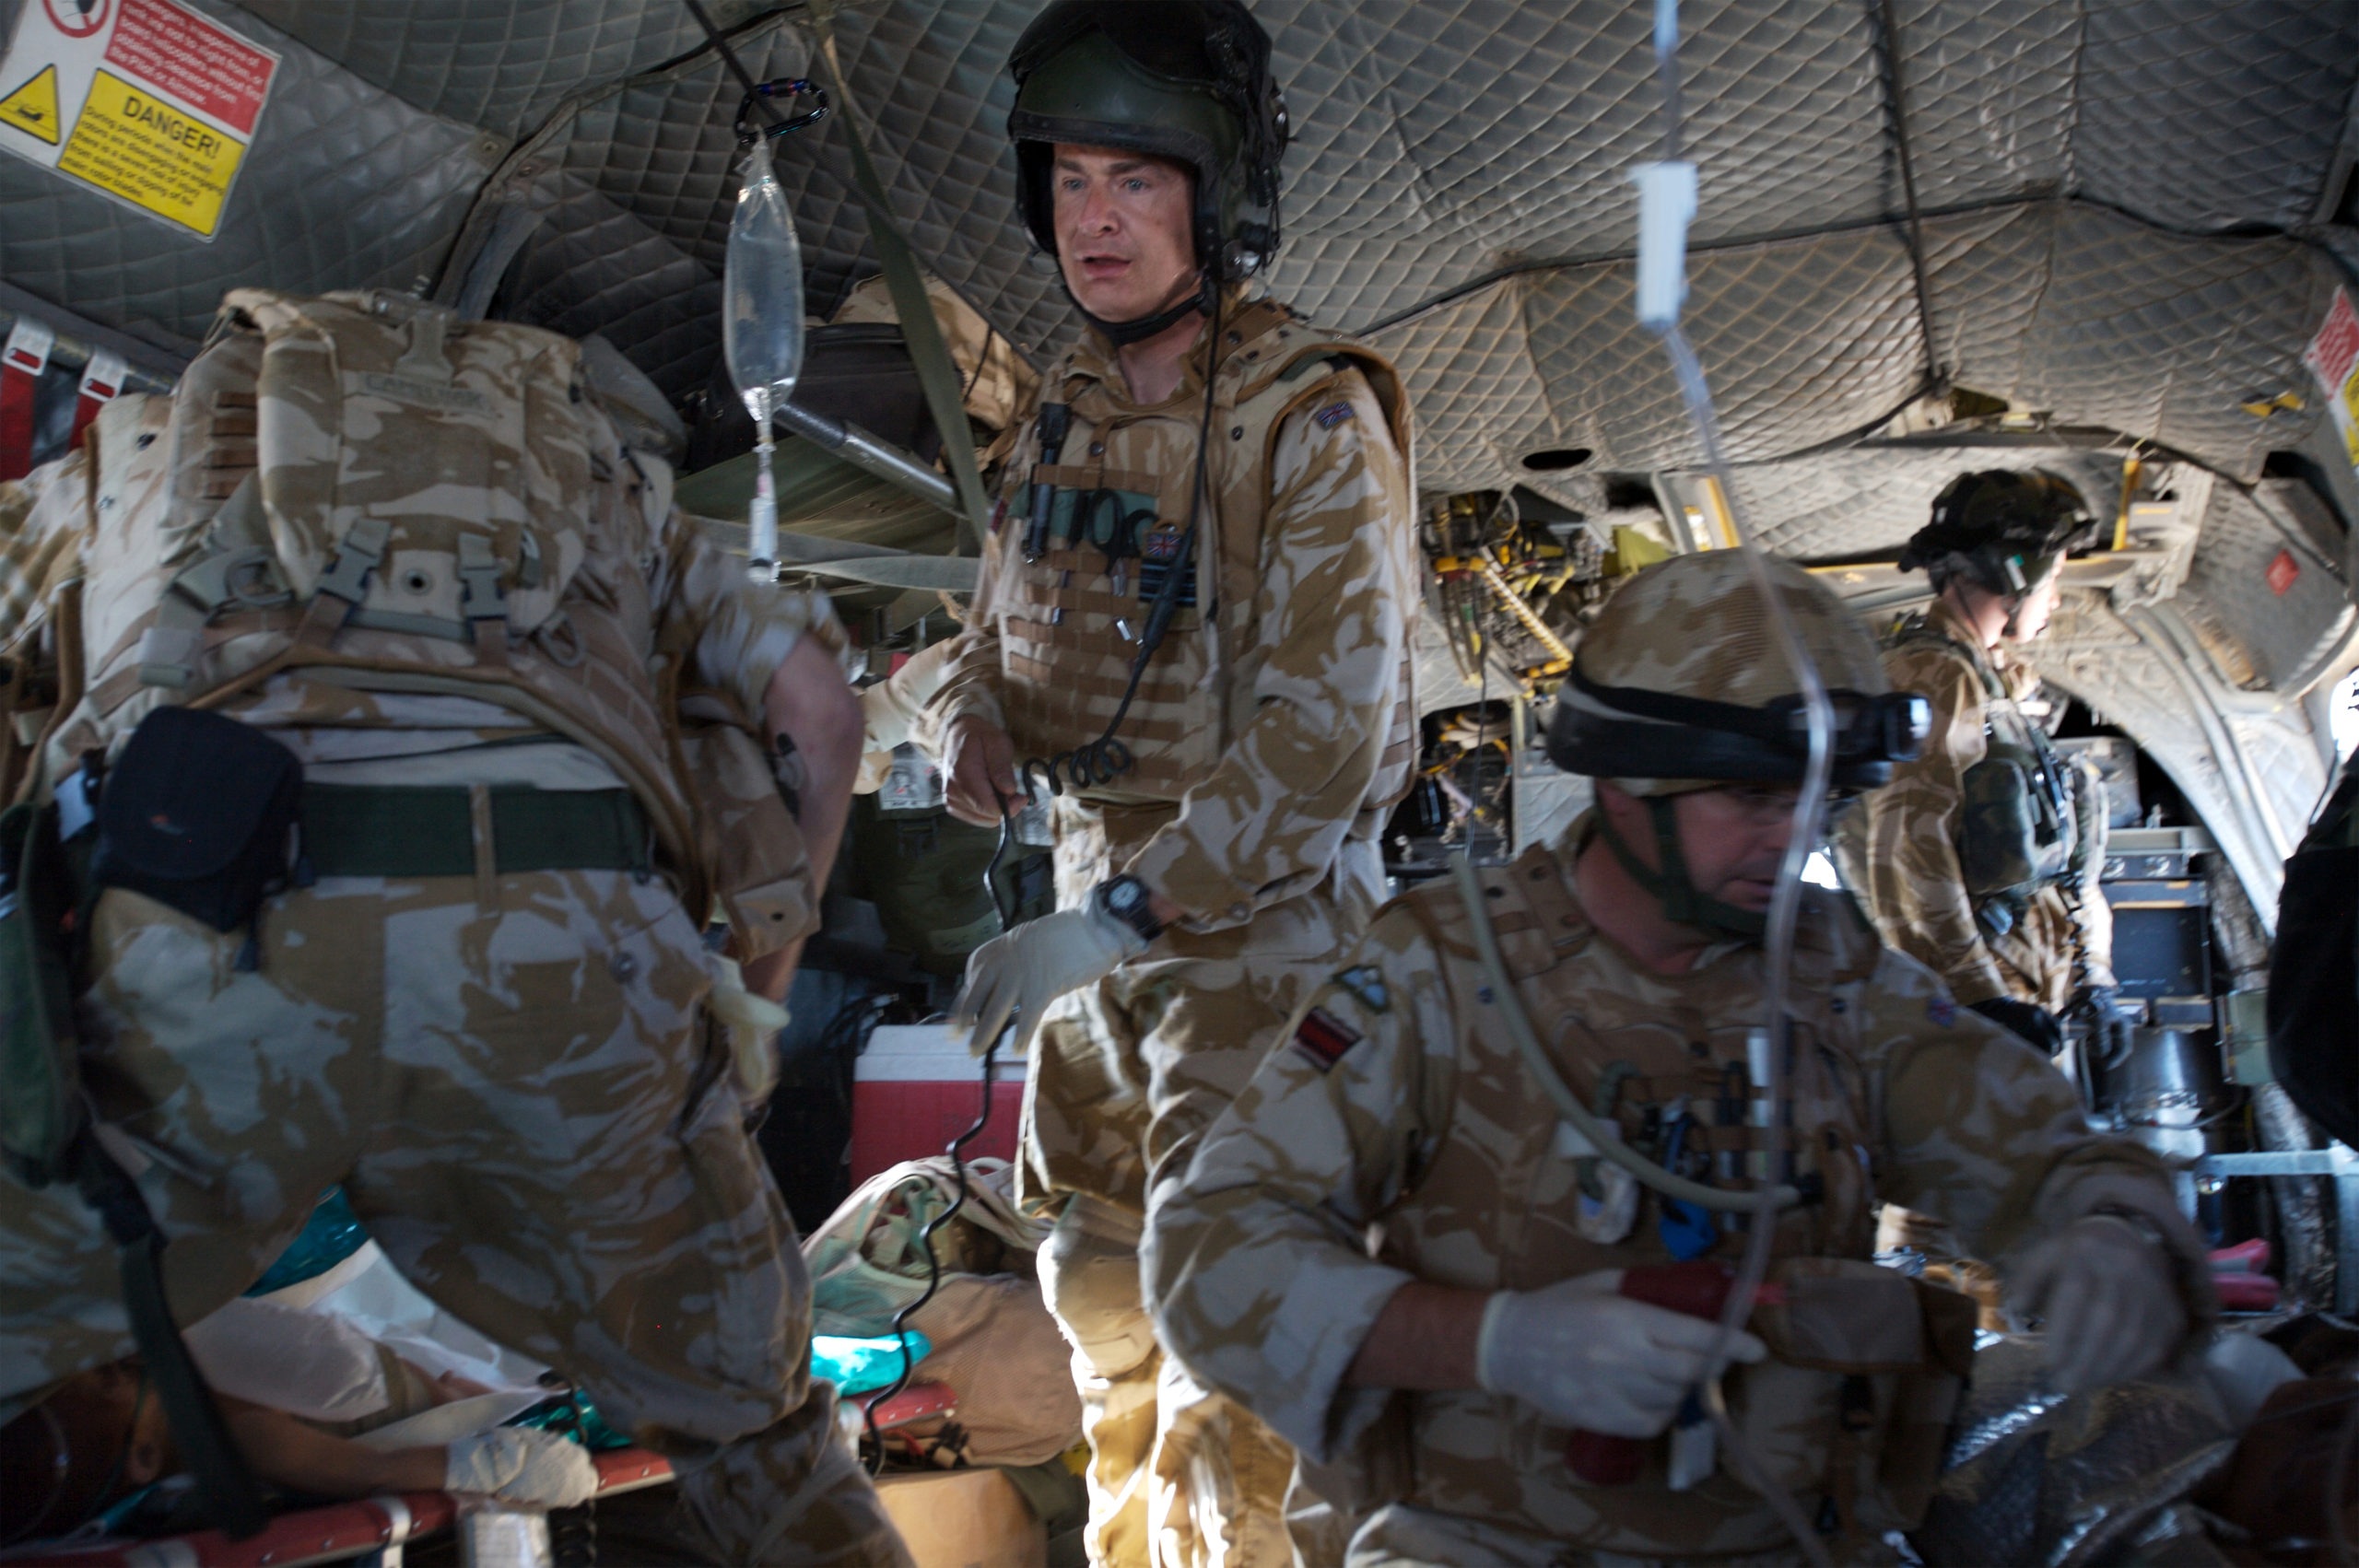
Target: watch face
<point>1121,895</point>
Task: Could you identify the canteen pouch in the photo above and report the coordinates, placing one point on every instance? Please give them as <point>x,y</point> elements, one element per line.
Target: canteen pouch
<point>1865,1369</point>
<point>2011,836</point>
<point>196,814</point>
<point>42,1112</point>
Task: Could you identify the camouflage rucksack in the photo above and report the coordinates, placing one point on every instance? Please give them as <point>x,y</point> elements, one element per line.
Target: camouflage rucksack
<point>364,489</point>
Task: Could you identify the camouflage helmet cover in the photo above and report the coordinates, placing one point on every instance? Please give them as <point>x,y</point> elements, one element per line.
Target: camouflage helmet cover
<point>1683,684</point>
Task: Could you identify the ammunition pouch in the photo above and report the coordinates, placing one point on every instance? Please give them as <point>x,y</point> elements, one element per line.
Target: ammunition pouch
<point>1866,1366</point>
<point>2015,832</point>
<point>751,835</point>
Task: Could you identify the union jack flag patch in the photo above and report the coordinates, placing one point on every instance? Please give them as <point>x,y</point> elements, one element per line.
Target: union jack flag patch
<point>1334,414</point>
<point>1324,1038</point>
<point>1942,1010</point>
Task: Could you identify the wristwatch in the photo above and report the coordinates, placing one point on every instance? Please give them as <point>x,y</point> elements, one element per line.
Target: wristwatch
<point>1127,899</point>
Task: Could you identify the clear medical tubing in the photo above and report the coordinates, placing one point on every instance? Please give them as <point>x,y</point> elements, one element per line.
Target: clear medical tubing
<point>761,331</point>
<point>1809,808</point>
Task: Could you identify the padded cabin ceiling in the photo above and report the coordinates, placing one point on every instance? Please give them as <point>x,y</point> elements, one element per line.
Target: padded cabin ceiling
<point>2119,196</point>
<point>2133,216</point>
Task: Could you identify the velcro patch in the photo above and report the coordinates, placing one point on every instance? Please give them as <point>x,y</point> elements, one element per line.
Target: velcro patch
<point>1324,1038</point>
<point>1334,414</point>
<point>1365,982</point>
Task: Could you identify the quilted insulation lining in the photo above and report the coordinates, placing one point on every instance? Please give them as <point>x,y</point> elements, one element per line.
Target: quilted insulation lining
<point>2126,228</point>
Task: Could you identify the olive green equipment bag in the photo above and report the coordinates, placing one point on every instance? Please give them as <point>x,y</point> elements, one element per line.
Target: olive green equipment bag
<point>2015,829</point>
<point>47,1135</point>
<point>2017,820</point>
<point>925,871</point>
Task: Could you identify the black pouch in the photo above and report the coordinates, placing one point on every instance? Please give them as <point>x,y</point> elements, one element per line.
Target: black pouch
<point>197,815</point>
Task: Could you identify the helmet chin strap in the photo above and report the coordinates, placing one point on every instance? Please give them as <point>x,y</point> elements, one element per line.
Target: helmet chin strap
<point>1671,888</point>
<point>1124,334</point>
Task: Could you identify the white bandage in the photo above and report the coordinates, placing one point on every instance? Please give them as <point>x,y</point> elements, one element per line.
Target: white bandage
<point>524,1467</point>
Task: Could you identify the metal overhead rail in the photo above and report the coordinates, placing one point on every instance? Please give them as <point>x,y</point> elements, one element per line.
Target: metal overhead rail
<point>873,454</point>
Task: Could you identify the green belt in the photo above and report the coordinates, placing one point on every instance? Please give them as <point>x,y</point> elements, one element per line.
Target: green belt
<point>386,830</point>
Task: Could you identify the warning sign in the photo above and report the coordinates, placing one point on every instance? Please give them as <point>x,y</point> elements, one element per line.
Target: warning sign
<point>33,108</point>
<point>2333,358</point>
<point>142,99</point>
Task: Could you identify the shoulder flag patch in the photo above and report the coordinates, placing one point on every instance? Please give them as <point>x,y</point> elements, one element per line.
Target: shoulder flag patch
<point>1366,984</point>
<point>1334,414</point>
<point>1941,1009</point>
<point>1324,1038</point>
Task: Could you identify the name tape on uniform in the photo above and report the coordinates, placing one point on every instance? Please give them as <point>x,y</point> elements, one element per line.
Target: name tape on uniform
<point>144,101</point>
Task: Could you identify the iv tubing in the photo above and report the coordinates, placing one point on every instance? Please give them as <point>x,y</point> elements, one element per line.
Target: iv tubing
<point>1810,804</point>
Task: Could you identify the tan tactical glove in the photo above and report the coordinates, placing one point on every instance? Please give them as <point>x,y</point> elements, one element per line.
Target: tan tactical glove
<point>1015,977</point>
<point>2109,1291</point>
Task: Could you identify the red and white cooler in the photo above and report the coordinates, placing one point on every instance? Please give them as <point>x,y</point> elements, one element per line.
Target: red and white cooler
<point>916,1087</point>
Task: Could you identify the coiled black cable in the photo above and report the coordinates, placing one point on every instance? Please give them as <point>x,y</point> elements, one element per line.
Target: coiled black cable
<point>1095,764</point>
<point>1004,902</point>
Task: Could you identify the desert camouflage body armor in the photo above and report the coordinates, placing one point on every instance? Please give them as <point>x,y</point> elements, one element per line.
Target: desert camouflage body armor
<point>1398,1133</point>
<point>2023,826</point>
<point>1119,493</point>
<point>377,500</point>
<point>1850,1407</point>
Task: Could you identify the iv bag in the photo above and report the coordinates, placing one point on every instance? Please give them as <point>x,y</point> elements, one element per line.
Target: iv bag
<point>762,329</point>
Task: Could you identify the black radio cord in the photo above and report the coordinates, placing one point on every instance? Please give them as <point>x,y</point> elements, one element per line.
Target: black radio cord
<point>1099,762</point>
<point>1005,903</point>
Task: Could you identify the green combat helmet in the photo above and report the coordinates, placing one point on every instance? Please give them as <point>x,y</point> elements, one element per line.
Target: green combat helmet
<point>1183,79</point>
<point>2003,530</point>
<point>1683,684</point>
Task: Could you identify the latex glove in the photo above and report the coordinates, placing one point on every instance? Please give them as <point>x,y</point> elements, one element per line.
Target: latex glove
<point>753,1024</point>
<point>1589,1357</point>
<point>2036,1025</point>
<point>1016,976</point>
<point>2110,1298</point>
<point>522,1466</point>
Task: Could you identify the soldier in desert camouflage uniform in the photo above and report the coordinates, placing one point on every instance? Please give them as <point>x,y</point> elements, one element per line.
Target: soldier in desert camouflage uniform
<point>410,550</point>
<point>1258,468</point>
<point>1936,858</point>
<point>1399,1254</point>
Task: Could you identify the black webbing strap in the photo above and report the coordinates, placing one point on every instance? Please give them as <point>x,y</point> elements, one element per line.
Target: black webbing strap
<point>224,1485</point>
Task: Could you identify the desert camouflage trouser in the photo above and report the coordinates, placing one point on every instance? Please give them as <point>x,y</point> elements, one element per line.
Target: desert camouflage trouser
<point>519,1098</point>
<point>1127,1076</point>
